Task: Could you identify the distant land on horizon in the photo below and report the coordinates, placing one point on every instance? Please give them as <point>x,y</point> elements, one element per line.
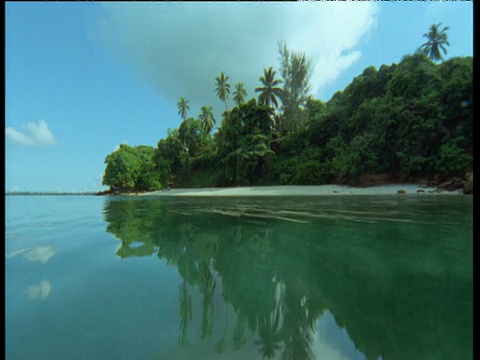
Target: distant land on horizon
<point>24,193</point>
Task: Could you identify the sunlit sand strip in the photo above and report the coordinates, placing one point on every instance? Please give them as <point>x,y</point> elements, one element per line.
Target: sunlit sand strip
<point>314,190</point>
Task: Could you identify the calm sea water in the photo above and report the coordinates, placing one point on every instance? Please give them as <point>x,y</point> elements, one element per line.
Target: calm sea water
<point>333,277</point>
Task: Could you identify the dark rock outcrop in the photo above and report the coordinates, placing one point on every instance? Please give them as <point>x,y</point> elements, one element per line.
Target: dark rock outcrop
<point>453,184</point>
<point>373,180</point>
<point>468,184</point>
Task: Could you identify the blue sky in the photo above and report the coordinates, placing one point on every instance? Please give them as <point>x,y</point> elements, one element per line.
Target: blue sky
<point>83,77</point>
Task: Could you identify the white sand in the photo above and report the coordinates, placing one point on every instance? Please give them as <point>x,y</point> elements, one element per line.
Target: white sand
<point>303,191</point>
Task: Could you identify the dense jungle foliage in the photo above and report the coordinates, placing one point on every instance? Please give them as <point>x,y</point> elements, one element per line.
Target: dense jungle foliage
<point>405,122</point>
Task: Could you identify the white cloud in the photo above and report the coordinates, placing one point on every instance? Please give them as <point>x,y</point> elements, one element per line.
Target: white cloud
<point>180,48</point>
<point>37,134</point>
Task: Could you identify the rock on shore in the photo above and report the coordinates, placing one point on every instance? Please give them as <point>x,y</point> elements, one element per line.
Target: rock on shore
<point>468,185</point>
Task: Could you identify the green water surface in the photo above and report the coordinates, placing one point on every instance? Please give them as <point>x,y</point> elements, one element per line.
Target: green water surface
<point>327,277</point>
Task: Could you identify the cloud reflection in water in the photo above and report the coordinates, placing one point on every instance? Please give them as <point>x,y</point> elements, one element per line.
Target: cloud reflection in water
<point>40,291</point>
<point>39,253</point>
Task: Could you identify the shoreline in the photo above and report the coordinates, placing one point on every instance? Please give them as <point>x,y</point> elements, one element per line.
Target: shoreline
<point>304,190</point>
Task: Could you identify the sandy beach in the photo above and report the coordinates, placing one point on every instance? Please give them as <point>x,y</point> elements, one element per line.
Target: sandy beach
<point>314,190</point>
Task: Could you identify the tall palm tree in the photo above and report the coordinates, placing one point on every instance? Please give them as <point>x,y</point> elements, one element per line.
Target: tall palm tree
<point>208,121</point>
<point>239,94</point>
<point>183,107</point>
<point>269,92</point>
<point>222,89</point>
<point>437,39</point>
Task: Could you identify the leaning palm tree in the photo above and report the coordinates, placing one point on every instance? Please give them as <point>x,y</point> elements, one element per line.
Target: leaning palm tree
<point>222,89</point>
<point>269,92</point>
<point>437,39</point>
<point>208,121</point>
<point>239,94</point>
<point>183,107</point>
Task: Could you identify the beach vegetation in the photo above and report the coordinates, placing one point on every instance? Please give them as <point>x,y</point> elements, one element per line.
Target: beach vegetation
<point>133,168</point>
<point>407,121</point>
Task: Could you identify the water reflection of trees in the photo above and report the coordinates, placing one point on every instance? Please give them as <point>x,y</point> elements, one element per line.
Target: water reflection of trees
<point>270,337</point>
<point>207,288</point>
<point>386,310</point>
<point>185,312</point>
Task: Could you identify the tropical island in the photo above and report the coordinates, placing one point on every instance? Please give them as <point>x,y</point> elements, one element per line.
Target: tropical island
<point>403,123</point>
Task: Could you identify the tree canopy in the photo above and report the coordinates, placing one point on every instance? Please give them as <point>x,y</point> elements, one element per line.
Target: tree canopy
<point>133,168</point>
<point>407,121</point>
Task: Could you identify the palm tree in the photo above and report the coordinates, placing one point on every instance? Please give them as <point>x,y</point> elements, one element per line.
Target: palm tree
<point>208,121</point>
<point>239,94</point>
<point>222,89</point>
<point>183,108</point>
<point>269,92</point>
<point>437,39</point>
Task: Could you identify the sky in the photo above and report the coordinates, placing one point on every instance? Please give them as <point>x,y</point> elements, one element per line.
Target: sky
<point>83,77</point>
